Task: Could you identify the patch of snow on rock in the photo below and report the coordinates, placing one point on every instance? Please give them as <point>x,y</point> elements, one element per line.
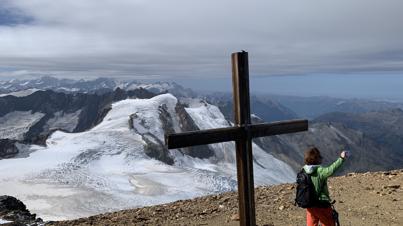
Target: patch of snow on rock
<point>4,221</point>
<point>21,93</point>
<point>15,124</point>
<point>67,121</point>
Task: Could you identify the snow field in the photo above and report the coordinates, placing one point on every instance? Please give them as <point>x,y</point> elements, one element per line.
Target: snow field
<point>106,169</point>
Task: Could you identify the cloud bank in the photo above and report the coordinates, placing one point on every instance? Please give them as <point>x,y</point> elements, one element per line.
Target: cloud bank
<point>185,39</point>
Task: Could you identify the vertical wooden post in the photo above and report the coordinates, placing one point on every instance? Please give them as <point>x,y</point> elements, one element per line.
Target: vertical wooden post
<point>242,134</point>
<point>244,158</point>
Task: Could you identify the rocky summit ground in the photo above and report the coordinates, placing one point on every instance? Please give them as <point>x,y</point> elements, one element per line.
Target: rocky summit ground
<point>362,199</point>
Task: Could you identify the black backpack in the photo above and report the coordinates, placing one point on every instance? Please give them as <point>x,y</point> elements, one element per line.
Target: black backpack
<point>305,195</point>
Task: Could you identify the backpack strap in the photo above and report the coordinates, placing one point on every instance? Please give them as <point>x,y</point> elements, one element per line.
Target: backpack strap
<point>301,171</point>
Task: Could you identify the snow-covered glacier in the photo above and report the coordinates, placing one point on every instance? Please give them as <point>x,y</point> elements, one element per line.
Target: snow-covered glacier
<point>106,168</point>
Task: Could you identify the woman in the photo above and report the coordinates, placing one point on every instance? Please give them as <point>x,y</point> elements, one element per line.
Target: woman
<point>319,174</point>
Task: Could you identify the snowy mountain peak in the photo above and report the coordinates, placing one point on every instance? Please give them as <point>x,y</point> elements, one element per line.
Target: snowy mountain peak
<point>123,163</point>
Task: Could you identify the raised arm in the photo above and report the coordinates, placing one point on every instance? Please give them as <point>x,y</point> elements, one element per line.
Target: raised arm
<point>329,171</point>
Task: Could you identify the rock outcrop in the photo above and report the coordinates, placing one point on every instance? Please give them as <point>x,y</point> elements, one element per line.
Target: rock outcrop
<point>14,211</point>
<point>186,124</point>
<point>8,148</point>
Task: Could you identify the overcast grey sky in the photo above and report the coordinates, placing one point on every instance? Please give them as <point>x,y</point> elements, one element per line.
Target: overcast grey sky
<point>186,39</point>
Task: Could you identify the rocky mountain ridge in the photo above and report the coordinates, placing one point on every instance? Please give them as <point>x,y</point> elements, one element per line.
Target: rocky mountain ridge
<point>31,119</point>
<point>331,138</point>
<point>383,128</point>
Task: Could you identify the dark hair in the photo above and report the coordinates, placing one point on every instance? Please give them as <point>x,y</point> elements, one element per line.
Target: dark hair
<point>312,156</point>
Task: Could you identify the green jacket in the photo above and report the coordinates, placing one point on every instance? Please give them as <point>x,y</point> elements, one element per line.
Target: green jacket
<point>319,175</point>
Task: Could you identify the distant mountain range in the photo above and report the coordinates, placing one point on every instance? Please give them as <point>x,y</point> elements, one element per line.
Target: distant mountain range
<point>367,153</point>
<point>312,107</point>
<point>265,108</point>
<point>383,128</point>
<point>99,85</point>
<point>281,107</point>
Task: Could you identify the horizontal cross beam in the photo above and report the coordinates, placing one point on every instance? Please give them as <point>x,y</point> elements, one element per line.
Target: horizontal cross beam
<point>186,139</point>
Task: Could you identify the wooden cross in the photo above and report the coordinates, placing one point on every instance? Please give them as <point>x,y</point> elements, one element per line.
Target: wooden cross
<point>242,134</point>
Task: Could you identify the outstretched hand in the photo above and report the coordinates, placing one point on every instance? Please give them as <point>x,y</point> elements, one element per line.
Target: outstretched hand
<point>344,154</point>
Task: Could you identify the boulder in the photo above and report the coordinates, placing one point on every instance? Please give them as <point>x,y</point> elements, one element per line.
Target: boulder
<point>12,209</point>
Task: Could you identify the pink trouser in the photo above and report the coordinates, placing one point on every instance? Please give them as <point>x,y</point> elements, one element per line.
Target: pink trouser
<point>322,215</point>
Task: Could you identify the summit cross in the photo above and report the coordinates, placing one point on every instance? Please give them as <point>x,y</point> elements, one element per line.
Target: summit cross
<point>242,133</point>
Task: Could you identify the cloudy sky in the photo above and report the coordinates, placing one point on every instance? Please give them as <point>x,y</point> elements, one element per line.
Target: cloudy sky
<point>191,40</point>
